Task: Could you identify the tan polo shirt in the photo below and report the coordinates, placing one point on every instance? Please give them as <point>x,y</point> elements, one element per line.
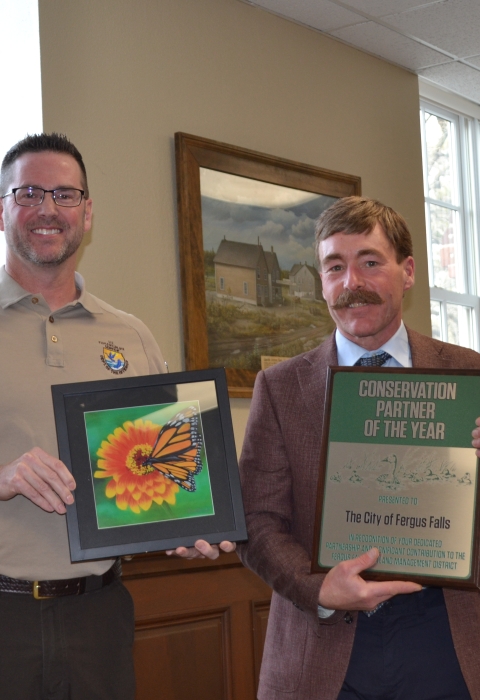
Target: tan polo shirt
<point>37,349</point>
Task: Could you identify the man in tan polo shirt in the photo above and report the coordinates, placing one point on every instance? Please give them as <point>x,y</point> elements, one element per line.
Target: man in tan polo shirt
<point>53,331</point>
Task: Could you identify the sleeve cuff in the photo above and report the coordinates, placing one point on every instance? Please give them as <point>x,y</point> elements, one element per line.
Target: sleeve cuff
<point>323,613</point>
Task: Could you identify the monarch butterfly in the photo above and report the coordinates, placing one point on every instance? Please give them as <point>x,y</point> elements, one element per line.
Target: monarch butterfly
<point>176,452</point>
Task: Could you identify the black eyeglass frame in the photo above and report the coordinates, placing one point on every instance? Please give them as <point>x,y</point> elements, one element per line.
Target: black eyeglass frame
<point>52,192</point>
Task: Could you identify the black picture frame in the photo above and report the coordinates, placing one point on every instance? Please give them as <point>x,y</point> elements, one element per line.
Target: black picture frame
<point>76,405</point>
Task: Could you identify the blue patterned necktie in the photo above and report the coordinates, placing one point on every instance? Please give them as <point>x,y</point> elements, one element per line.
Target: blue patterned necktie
<point>373,361</point>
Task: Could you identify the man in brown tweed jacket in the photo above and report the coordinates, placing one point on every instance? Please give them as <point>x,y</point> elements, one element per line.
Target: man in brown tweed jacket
<point>420,644</point>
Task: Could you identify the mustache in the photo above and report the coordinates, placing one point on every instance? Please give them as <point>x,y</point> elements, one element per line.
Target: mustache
<point>361,296</point>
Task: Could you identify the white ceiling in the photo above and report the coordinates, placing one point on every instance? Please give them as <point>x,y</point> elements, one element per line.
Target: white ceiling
<point>437,39</point>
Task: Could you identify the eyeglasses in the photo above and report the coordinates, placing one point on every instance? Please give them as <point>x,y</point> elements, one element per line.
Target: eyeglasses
<point>33,196</point>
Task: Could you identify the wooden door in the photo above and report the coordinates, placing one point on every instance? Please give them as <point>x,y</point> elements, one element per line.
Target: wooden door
<point>199,627</point>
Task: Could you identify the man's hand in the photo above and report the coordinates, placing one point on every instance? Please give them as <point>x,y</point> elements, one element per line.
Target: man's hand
<point>203,549</point>
<point>344,589</point>
<point>41,478</point>
<point>476,437</point>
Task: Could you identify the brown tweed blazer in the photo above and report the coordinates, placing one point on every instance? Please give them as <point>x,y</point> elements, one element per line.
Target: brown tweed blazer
<point>306,658</point>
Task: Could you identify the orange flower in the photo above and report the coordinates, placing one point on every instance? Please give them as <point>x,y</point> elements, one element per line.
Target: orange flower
<point>121,460</point>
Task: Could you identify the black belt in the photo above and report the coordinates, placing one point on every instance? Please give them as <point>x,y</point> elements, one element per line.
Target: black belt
<point>61,587</point>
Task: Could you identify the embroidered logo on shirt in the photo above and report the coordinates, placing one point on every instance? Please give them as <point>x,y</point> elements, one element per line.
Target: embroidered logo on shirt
<point>113,358</point>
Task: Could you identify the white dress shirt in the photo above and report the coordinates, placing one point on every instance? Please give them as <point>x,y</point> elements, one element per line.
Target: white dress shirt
<point>398,347</point>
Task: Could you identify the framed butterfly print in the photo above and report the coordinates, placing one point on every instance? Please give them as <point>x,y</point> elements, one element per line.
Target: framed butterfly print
<point>251,293</point>
<point>154,461</point>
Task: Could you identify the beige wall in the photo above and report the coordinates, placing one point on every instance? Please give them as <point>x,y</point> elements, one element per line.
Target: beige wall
<point>120,77</point>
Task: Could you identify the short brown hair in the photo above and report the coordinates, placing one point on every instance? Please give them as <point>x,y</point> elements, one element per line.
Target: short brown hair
<point>360,215</point>
<point>37,143</point>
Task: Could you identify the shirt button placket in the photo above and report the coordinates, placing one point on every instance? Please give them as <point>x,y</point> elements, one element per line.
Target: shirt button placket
<point>54,343</point>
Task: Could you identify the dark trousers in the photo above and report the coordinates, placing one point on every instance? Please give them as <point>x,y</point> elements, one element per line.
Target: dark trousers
<point>405,652</point>
<point>67,648</point>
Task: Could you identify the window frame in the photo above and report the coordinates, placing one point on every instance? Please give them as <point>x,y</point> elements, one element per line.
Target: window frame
<point>465,146</point>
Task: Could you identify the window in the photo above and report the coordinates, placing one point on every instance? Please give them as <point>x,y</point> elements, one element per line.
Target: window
<point>450,141</point>
<point>21,114</point>
<point>245,288</point>
<point>222,283</point>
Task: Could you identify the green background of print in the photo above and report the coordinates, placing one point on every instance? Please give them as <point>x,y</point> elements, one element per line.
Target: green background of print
<point>99,424</point>
<point>349,411</point>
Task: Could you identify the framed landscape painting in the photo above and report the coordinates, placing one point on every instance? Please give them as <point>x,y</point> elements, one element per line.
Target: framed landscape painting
<point>251,291</point>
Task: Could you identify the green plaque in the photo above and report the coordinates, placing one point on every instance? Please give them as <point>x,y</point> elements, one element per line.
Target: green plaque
<point>398,472</point>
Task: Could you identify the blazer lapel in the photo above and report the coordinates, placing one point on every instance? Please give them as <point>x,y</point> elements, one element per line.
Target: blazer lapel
<point>312,379</point>
<point>426,353</point>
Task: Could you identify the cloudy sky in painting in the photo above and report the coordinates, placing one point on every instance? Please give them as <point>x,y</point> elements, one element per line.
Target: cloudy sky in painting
<point>246,210</point>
